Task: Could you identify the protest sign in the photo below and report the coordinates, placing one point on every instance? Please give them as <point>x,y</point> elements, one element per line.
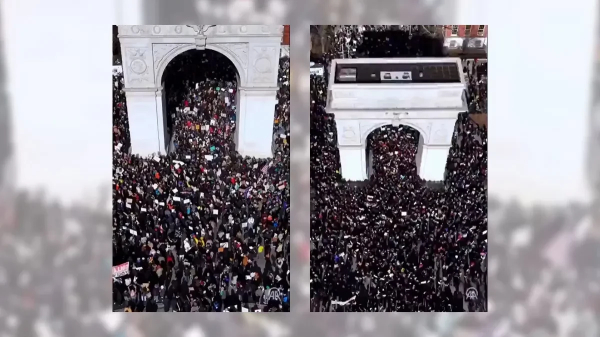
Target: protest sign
<point>271,294</point>
<point>120,270</point>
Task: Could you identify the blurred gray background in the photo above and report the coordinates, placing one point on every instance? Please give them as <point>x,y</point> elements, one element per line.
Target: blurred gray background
<point>55,166</point>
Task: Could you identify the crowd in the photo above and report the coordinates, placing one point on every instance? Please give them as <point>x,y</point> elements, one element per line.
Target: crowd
<point>121,136</point>
<point>393,243</point>
<point>476,72</point>
<point>201,228</point>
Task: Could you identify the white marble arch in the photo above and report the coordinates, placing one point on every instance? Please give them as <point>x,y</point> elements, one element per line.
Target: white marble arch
<point>253,49</point>
<point>359,109</point>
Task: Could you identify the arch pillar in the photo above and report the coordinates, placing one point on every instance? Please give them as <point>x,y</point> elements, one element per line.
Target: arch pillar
<point>255,116</point>
<point>352,146</point>
<point>146,120</point>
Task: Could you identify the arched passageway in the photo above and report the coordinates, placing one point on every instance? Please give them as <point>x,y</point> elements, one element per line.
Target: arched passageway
<point>185,77</point>
<point>393,152</point>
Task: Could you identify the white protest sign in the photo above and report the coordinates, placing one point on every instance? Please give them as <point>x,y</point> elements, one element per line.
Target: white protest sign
<point>155,186</point>
<point>186,201</point>
<point>156,159</point>
<point>143,209</point>
<point>209,157</point>
<point>176,199</point>
<point>175,190</point>
<point>215,211</point>
<point>343,303</point>
<point>133,232</point>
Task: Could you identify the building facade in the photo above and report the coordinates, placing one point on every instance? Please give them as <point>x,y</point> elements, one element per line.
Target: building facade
<point>465,41</point>
<point>286,35</point>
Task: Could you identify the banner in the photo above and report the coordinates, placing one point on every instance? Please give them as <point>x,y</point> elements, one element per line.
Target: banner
<point>120,270</point>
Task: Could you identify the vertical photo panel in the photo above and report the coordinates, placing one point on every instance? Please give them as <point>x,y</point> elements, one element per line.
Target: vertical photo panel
<point>201,162</point>
<point>398,168</point>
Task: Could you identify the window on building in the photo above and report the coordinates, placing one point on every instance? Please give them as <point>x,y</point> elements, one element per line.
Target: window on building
<point>455,30</point>
<point>481,30</point>
<point>468,30</point>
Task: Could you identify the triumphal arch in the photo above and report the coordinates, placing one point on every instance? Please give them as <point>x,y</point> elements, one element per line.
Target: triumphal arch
<point>426,94</point>
<point>253,49</point>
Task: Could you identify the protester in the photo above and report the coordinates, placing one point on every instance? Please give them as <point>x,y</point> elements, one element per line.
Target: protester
<point>394,242</point>
<point>201,228</point>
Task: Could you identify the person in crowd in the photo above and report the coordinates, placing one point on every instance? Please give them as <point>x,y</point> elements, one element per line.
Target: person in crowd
<point>201,228</point>
<point>397,242</point>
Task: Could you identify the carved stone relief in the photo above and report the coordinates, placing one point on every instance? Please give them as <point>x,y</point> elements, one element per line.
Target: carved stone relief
<point>161,30</point>
<point>164,30</point>
<point>160,50</point>
<point>443,133</point>
<point>349,133</point>
<point>264,66</point>
<point>238,50</point>
<point>138,70</point>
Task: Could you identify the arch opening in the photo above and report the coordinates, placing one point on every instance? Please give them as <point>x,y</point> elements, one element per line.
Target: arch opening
<point>194,82</point>
<point>393,153</point>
